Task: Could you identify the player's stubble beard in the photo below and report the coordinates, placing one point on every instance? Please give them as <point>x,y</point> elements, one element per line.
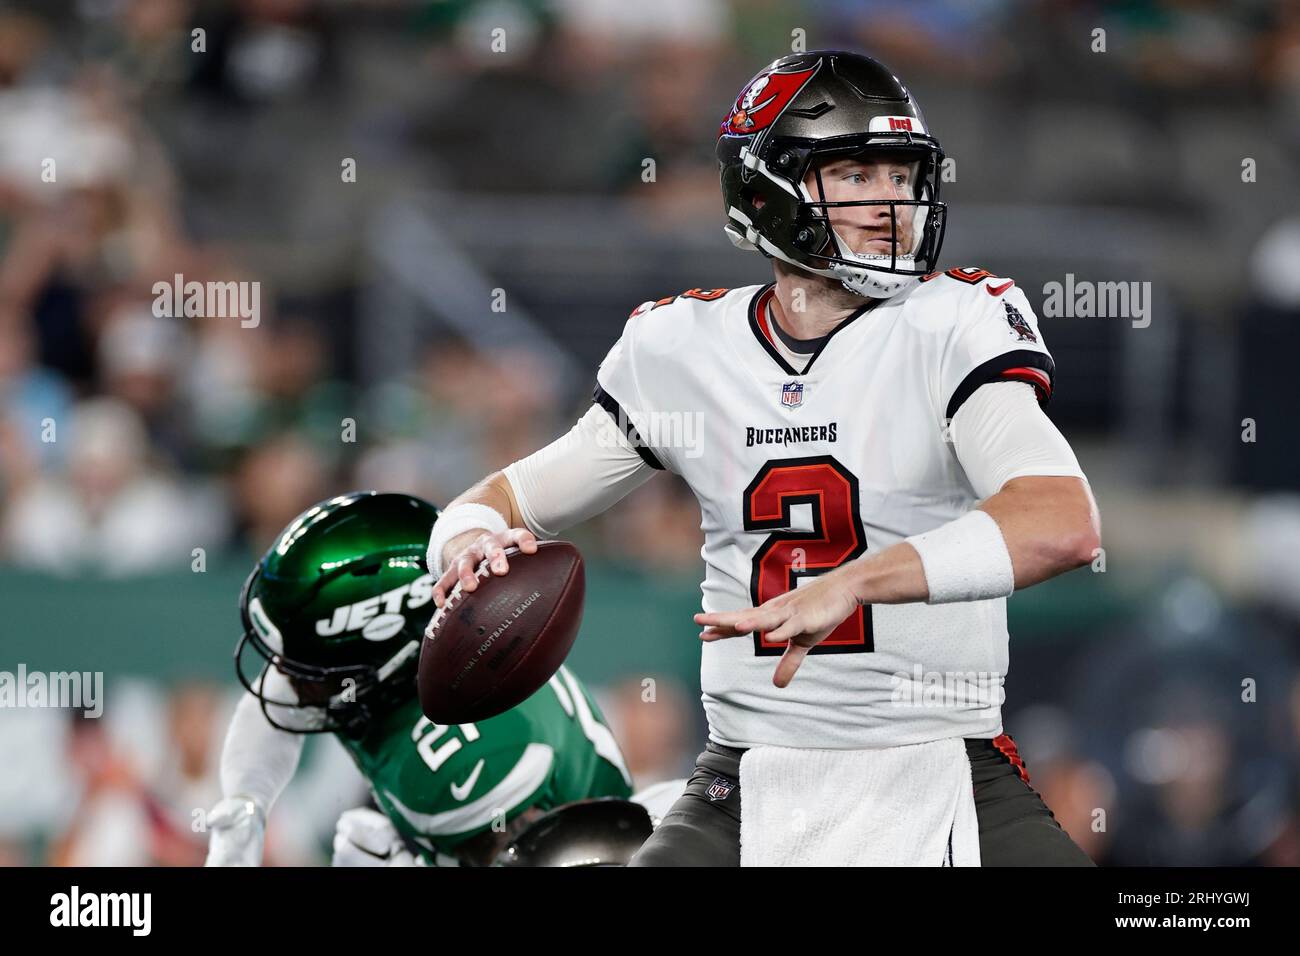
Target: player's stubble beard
<point>826,302</point>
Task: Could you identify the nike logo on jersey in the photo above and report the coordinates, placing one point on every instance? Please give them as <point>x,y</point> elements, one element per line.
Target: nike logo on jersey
<point>461,791</point>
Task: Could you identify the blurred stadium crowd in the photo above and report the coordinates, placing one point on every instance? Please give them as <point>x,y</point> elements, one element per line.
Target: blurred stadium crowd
<point>225,165</point>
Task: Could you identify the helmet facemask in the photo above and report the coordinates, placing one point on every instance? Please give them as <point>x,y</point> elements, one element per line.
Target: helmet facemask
<point>303,698</point>
<point>783,205</point>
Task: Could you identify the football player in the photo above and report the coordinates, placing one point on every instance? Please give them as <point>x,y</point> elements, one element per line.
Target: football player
<point>333,615</point>
<point>875,476</point>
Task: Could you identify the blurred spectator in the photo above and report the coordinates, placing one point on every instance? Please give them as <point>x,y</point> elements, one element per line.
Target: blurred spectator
<point>670,103</point>
<point>137,805</point>
<point>1080,792</point>
<point>657,528</point>
<point>952,39</point>
<point>1187,44</point>
<point>1180,716</point>
<point>276,481</point>
<point>29,396</point>
<point>110,825</point>
<point>113,511</point>
<point>188,779</point>
<point>141,359</point>
<point>261,51</point>
<point>652,721</point>
<point>466,415</point>
<point>1269,334</point>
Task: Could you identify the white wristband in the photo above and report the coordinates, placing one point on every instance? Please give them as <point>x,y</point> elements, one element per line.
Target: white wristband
<point>457,520</point>
<point>965,560</point>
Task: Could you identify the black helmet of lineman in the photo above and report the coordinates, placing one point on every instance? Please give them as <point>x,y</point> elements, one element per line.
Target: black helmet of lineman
<point>801,110</point>
<point>605,831</point>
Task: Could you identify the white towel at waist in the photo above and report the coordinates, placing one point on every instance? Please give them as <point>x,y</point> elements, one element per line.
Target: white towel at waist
<point>900,806</point>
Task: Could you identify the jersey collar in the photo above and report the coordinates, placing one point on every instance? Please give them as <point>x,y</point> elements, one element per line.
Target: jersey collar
<point>761,324</point>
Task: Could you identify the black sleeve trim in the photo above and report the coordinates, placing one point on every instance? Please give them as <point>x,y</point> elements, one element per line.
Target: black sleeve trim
<point>994,369</point>
<point>615,410</point>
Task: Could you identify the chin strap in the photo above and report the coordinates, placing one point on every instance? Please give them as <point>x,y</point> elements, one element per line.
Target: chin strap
<point>875,288</point>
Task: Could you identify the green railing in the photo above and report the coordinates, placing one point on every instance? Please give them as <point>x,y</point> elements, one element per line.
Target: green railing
<point>184,626</point>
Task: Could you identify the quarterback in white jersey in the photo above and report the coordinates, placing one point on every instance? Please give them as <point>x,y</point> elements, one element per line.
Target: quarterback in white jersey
<point>874,473</point>
<point>802,462</point>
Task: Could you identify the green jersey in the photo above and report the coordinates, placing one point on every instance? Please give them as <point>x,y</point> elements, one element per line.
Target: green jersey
<point>441,785</point>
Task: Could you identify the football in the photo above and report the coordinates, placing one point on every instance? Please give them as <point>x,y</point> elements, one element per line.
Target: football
<point>492,648</point>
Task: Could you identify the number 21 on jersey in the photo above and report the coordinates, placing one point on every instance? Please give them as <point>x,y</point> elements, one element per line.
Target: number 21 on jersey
<point>787,557</point>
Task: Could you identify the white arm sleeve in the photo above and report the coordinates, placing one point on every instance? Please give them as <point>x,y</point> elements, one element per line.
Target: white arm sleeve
<point>258,760</point>
<point>1000,433</point>
<point>580,474</point>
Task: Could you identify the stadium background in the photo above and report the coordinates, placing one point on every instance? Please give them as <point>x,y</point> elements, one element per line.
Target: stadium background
<point>522,171</point>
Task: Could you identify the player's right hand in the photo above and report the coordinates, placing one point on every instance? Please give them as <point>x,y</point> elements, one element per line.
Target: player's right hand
<point>465,552</point>
<point>365,837</point>
<point>237,829</point>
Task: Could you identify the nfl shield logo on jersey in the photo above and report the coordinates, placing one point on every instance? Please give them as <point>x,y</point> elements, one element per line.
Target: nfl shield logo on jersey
<point>792,394</point>
<point>720,789</point>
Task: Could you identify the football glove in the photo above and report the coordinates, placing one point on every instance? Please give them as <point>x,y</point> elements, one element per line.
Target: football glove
<point>365,837</point>
<point>237,829</point>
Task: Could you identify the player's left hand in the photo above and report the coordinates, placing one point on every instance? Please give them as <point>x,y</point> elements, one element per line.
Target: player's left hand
<point>237,828</point>
<point>804,617</point>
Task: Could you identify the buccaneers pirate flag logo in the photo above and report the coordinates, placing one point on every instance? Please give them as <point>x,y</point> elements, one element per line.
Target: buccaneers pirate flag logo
<point>763,101</point>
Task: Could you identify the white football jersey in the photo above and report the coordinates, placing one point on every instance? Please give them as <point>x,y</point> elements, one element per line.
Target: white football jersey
<point>798,470</point>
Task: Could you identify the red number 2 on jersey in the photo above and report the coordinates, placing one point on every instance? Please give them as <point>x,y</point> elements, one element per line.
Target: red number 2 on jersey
<point>787,556</point>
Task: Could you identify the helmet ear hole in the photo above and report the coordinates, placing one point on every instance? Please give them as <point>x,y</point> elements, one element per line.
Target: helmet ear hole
<point>812,238</point>
<point>806,238</point>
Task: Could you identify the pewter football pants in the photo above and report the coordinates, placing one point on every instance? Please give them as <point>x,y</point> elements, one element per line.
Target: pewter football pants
<point>1015,826</point>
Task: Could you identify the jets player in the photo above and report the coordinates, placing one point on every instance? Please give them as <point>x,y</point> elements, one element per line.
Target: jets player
<point>333,612</point>
<point>875,476</point>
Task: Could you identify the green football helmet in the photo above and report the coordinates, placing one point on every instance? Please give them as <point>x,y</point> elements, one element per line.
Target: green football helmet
<point>338,606</point>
